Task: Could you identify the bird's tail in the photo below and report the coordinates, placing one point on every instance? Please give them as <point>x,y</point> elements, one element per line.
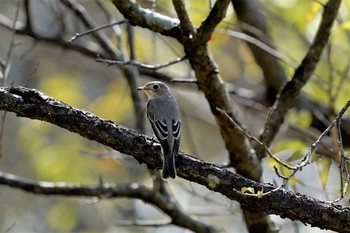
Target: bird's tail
<point>169,170</point>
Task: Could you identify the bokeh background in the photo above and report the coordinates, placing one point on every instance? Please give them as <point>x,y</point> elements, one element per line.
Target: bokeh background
<point>42,152</point>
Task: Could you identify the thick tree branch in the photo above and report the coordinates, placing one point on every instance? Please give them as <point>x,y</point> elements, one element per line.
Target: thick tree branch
<point>205,36</point>
<point>131,73</point>
<point>253,23</point>
<point>216,15</point>
<point>35,105</point>
<point>302,103</point>
<point>106,191</point>
<point>149,19</point>
<point>242,157</point>
<point>210,82</point>
<point>185,21</point>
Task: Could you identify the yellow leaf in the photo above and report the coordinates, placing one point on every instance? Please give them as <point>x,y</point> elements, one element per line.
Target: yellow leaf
<point>247,190</point>
<point>315,8</point>
<point>344,26</point>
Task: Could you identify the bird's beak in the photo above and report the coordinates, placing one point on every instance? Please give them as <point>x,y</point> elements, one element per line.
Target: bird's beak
<point>146,90</point>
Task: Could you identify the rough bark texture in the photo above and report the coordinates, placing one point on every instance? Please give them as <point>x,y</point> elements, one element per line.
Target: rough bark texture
<point>32,104</point>
<point>291,90</point>
<point>194,42</point>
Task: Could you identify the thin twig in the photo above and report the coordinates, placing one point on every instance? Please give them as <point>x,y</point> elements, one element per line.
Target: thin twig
<point>116,29</point>
<point>184,80</point>
<point>143,222</point>
<point>12,44</point>
<point>77,35</point>
<point>5,72</point>
<point>30,78</point>
<point>258,43</point>
<point>291,90</point>
<point>343,167</point>
<point>8,229</point>
<point>87,20</point>
<point>139,64</point>
<point>252,138</point>
<point>307,158</point>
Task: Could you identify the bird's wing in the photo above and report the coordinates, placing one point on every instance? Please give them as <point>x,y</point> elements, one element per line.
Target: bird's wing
<point>161,131</point>
<point>176,125</point>
<point>159,125</point>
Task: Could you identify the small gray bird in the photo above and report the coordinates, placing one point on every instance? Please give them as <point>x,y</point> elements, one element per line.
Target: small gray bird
<point>164,115</point>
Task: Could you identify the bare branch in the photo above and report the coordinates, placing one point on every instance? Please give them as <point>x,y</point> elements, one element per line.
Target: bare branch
<point>216,15</point>
<point>185,21</point>
<point>242,157</point>
<point>148,18</point>
<point>89,23</point>
<point>77,35</point>
<point>139,64</point>
<point>11,46</point>
<point>292,89</point>
<point>107,191</point>
<point>252,138</point>
<point>35,105</point>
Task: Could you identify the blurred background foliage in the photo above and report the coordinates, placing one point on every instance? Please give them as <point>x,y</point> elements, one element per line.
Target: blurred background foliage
<point>43,152</point>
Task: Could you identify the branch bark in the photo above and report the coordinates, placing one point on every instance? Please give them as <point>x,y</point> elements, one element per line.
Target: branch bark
<point>106,191</point>
<point>291,90</point>
<point>149,19</point>
<point>33,104</point>
<point>194,42</point>
<point>253,24</point>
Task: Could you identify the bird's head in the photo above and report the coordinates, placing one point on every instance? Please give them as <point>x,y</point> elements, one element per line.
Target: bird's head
<point>154,89</point>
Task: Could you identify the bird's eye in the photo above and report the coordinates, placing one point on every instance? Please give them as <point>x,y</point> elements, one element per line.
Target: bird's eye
<point>155,87</point>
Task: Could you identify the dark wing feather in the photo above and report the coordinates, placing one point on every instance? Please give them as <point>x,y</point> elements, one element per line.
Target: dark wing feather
<point>162,129</point>
<point>161,133</point>
<point>176,125</point>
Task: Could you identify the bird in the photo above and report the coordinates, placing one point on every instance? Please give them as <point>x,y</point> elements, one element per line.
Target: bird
<point>164,116</point>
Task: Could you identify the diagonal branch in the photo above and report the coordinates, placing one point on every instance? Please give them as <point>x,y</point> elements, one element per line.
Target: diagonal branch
<point>106,191</point>
<point>32,104</point>
<point>241,155</point>
<point>88,22</point>
<point>292,89</point>
<point>149,19</point>
<point>131,73</point>
<point>216,15</point>
<point>185,21</point>
<point>210,82</point>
